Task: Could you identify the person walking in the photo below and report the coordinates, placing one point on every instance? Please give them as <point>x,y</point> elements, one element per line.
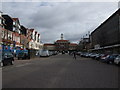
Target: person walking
<point>74,55</point>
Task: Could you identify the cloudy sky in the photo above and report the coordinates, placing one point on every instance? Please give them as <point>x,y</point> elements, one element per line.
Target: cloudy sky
<point>73,19</point>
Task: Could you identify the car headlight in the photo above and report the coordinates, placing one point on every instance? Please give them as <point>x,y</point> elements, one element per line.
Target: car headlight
<point>5,56</point>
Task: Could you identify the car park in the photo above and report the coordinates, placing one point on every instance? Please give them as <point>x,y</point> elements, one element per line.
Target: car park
<point>117,60</point>
<point>7,58</point>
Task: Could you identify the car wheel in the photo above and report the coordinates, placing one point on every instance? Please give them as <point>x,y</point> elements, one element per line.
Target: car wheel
<point>12,62</point>
<point>110,62</point>
<point>1,64</point>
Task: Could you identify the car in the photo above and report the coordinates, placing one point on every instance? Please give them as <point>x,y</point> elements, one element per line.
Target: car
<point>23,55</point>
<point>93,55</point>
<point>111,58</point>
<point>54,52</point>
<point>63,52</point>
<point>7,58</point>
<point>117,60</point>
<point>98,56</point>
<point>83,54</point>
<point>78,53</point>
<point>104,57</point>
<point>50,53</point>
<point>87,55</point>
<point>44,53</point>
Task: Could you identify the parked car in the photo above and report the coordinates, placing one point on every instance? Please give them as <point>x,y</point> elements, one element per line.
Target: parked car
<point>98,56</point>
<point>83,54</point>
<point>104,57</point>
<point>89,54</point>
<point>93,55</point>
<point>50,53</point>
<point>55,53</point>
<point>44,53</point>
<point>23,55</point>
<point>111,58</point>
<point>117,60</point>
<point>7,58</point>
<point>78,53</point>
<point>86,55</point>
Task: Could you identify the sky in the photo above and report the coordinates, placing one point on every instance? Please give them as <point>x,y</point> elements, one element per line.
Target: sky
<point>50,19</point>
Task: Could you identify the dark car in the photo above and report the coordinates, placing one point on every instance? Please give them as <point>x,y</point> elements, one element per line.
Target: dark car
<point>78,53</point>
<point>104,57</point>
<point>111,58</point>
<point>98,56</point>
<point>7,58</point>
<point>23,55</point>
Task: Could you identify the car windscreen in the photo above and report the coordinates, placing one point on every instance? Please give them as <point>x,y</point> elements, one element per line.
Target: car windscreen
<point>7,54</point>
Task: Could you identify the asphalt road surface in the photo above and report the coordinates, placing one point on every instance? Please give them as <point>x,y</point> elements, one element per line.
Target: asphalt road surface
<point>60,71</point>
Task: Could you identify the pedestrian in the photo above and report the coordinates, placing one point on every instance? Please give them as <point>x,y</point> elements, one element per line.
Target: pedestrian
<point>74,55</point>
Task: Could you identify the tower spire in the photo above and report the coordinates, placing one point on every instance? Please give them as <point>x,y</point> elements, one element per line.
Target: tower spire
<point>61,36</point>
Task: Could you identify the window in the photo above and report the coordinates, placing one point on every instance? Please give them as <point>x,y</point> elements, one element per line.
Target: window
<point>13,23</point>
<point>0,21</point>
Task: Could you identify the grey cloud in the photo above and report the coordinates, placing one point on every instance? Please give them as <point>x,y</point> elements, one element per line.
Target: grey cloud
<point>52,19</point>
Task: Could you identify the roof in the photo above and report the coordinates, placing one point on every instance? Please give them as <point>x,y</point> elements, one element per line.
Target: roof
<point>62,41</point>
<point>15,19</point>
<point>48,44</point>
<point>35,32</point>
<point>31,30</point>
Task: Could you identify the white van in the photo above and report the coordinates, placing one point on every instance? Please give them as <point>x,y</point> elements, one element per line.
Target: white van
<point>44,53</point>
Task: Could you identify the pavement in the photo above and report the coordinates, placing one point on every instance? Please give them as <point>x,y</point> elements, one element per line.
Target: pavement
<point>60,71</point>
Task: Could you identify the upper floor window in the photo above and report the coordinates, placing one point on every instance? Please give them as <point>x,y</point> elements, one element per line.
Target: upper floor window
<point>14,23</point>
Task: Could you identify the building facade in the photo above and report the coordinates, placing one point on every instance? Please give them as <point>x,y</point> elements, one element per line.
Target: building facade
<point>16,25</point>
<point>106,38</point>
<point>16,37</point>
<point>62,45</point>
<point>73,47</point>
<point>49,46</point>
<point>34,40</point>
<point>8,22</point>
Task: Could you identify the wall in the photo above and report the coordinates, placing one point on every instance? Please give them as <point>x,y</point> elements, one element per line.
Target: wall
<point>108,33</point>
